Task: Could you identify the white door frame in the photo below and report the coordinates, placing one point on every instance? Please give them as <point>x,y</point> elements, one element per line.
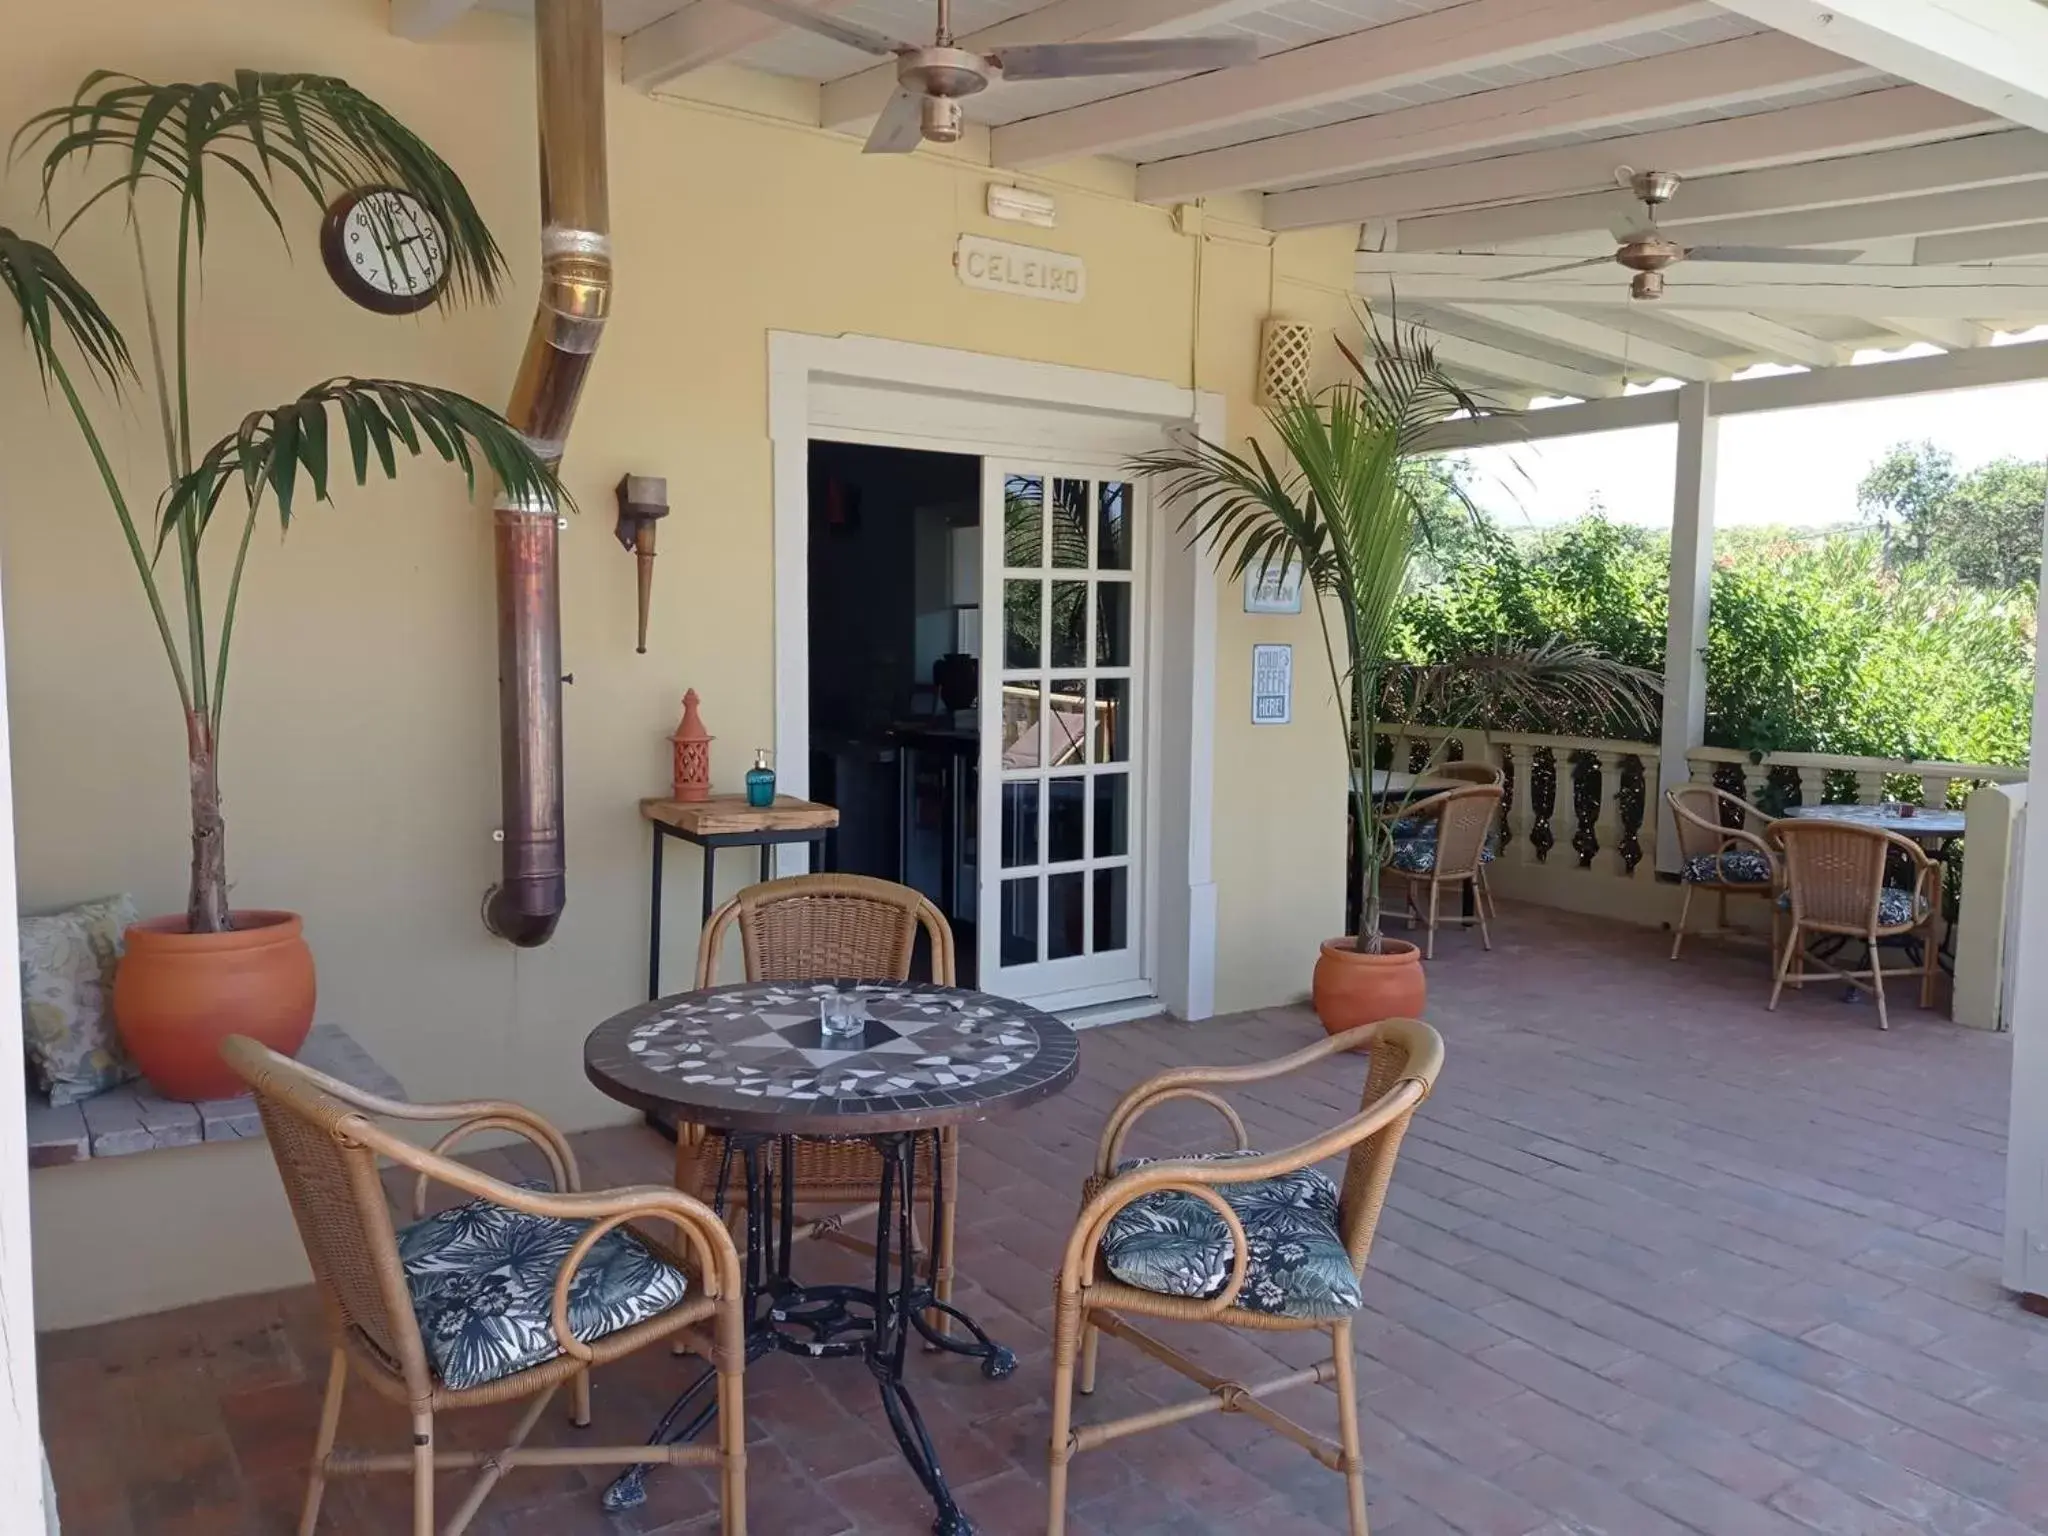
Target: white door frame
<point>950,401</point>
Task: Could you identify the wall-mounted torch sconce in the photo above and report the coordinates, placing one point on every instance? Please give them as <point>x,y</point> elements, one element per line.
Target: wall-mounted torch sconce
<point>643,502</point>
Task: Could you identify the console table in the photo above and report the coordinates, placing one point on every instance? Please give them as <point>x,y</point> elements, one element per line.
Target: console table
<point>726,821</point>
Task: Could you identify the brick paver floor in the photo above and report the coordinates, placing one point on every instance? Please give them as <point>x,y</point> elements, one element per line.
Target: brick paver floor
<point>1656,1261</point>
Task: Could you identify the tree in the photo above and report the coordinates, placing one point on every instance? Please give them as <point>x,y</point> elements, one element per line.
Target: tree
<point>1989,532</point>
<point>1905,494</point>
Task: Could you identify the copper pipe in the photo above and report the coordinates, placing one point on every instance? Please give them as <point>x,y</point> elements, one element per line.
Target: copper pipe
<point>575,297</point>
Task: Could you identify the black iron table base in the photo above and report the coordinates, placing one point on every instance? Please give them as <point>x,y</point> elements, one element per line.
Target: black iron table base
<point>825,1322</point>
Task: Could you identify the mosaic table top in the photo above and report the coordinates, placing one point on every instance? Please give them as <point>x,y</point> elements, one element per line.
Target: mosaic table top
<point>754,1057</point>
<point>1921,824</point>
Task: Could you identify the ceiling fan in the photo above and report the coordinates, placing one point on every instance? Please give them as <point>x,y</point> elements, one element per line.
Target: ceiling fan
<point>934,78</point>
<point>1647,252</point>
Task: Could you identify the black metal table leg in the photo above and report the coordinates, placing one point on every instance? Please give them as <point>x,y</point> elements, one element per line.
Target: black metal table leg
<point>710,883</point>
<point>836,1321</point>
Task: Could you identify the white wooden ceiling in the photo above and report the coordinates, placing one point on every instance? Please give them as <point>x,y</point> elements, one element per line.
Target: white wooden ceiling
<point>1474,142</point>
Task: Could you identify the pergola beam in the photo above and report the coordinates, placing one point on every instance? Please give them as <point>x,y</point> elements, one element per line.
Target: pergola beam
<point>1983,245</point>
<point>422,19</point>
<point>1516,368</point>
<point>1954,335</point>
<point>1981,160</point>
<point>858,97</point>
<point>1765,340</point>
<point>705,32</point>
<point>1714,76</point>
<point>1638,355</point>
<point>1990,53</point>
<point>1880,119</point>
<point>1478,34</point>
<point>1939,213</point>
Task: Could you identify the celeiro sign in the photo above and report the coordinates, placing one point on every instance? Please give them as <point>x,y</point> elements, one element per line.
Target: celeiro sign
<point>996,266</point>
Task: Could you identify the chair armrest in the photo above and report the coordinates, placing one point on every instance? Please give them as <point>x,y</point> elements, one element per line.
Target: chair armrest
<point>1201,1179</point>
<point>475,1116</point>
<point>1192,1083</point>
<point>1180,1176</point>
<point>706,1237</point>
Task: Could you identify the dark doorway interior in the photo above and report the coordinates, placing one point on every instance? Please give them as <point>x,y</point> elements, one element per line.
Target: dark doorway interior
<point>895,573</point>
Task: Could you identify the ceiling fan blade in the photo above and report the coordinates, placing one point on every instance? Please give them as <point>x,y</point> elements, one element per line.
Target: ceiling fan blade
<point>900,128</point>
<point>850,33</point>
<point>1627,229</point>
<point>1570,266</point>
<point>1790,255</point>
<point>1064,61</point>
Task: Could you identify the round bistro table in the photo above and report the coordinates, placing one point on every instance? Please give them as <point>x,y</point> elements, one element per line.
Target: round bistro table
<point>752,1062</point>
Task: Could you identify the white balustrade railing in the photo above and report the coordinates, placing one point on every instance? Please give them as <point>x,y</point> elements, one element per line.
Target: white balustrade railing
<point>1581,823</point>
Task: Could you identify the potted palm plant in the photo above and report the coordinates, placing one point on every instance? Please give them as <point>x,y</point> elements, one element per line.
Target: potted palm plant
<point>1347,503</point>
<point>192,978</point>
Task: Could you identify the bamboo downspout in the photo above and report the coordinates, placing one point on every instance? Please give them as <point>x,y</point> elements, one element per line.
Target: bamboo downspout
<point>575,298</point>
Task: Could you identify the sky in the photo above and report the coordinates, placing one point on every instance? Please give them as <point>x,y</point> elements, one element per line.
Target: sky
<point>1792,467</point>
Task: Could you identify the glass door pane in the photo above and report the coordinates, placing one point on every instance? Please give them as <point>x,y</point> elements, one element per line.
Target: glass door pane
<point>1061,753</point>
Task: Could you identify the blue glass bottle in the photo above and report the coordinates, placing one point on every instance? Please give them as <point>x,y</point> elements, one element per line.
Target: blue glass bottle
<point>761,782</point>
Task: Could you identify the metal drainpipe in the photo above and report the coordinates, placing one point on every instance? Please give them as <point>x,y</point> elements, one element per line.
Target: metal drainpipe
<point>575,297</point>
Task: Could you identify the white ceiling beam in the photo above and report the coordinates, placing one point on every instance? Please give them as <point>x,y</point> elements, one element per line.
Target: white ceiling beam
<point>1981,160</point>
<point>1691,79</point>
<point>1525,269</point>
<point>422,19</point>
<point>1765,340</point>
<point>2017,300</point>
<point>1941,213</point>
<point>1502,363</point>
<point>1873,120</point>
<point>702,33</point>
<point>858,97</point>
<point>1982,245</point>
<point>1990,53</point>
<point>1648,408</point>
<point>1643,358</point>
<point>1955,335</point>
<point>1478,34</point>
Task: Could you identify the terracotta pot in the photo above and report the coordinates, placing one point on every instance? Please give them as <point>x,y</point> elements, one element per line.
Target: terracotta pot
<point>177,995</point>
<point>1353,989</point>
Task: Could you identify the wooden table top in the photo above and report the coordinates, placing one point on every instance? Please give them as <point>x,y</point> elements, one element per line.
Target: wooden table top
<point>753,1058</point>
<point>730,815</point>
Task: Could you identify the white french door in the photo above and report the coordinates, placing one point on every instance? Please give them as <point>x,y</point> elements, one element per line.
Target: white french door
<point>1063,627</point>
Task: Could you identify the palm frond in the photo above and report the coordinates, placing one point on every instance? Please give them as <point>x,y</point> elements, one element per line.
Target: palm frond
<point>1402,384</point>
<point>280,449</point>
<point>1519,686</point>
<point>314,132</point>
<point>51,301</point>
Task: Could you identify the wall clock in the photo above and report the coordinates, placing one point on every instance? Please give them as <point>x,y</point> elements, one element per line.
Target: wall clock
<point>385,250</point>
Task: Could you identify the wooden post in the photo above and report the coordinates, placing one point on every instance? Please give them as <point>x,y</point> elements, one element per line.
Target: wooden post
<point>2026,1158</point>
<point>1692,570</point>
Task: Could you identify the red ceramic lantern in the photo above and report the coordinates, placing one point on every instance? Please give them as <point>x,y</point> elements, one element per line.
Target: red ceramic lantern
<point>692,754</point>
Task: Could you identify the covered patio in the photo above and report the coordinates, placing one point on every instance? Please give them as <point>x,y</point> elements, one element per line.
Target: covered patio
<point>1655,1261</point>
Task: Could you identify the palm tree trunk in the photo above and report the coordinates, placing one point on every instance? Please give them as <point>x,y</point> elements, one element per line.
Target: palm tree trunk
<point>206,907</point>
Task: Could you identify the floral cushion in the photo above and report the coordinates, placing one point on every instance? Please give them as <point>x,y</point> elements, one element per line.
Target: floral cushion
<point>1895,908</point>
<point>1417,855</point>
<point>67,999</point>
<point>1176,1245</point>
<point>1731,866</point>
<point>482,1278</point>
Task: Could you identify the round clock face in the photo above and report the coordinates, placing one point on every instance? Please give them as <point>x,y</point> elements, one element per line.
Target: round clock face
<point>385,250</point>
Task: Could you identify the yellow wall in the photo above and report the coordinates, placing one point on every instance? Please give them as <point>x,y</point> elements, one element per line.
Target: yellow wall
<point>360,759</point>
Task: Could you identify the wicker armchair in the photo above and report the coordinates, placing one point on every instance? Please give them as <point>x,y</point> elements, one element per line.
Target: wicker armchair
<point>1468,771</point>
<point>854,928</point>
<point>1454,849</point>
<point>568,1288</point>
<point>1727,858</point>
<point>1208,1258</point>
<point>1834,884</point>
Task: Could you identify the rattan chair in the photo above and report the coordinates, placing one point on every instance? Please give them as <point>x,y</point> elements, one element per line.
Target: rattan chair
<point>1467,771</point>
<point>848,927</point>
<point>1230,1286</point>
<point>1834,885</point>
<point>325,1139</point>
<point>1454,853</point>
<point>1716,855</point>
